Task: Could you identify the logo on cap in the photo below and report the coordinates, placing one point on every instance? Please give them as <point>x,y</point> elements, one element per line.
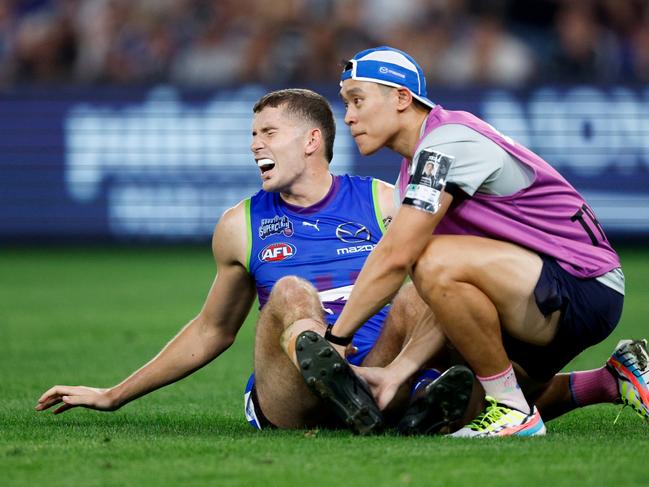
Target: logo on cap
<point>391,67</point>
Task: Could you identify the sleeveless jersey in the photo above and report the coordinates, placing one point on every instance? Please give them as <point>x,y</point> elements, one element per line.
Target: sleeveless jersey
<point>549,216</point>
<point>325,244</point>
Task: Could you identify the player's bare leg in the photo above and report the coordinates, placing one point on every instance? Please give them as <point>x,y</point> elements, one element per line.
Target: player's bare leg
<point>283,396</point>
<point>332,379</point>
<point>407,309</point>
<point>407,315</point>
<point>410,342</point>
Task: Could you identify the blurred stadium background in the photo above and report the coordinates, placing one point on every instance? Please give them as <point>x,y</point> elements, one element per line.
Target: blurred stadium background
<point>128,120</point>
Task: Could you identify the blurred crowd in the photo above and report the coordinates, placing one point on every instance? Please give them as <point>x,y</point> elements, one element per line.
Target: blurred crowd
<point>206,43</point>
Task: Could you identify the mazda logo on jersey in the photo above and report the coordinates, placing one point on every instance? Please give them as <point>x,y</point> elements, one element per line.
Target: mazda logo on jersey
<point>352,232</point>
<point>277,252</point>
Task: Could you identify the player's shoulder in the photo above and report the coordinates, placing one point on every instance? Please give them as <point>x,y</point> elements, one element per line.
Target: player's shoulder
<point>353,179</point>
<point>230,233</point>
<point>377,189</point>
<point>365,180</point>
<point>235,214</point>
<point>383,186</point>
<point>232,224</point>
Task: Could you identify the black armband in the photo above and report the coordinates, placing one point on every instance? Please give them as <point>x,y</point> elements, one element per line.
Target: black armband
<point>330,337</point>
<point>427,180</point>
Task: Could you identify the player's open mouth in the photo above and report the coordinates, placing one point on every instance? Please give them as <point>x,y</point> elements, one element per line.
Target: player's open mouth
<point>265,165</point>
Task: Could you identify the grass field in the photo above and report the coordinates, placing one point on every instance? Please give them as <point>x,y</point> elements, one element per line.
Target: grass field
<point>74,316</point>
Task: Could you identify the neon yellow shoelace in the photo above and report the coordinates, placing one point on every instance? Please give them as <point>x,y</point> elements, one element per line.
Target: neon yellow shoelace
<point>490,415</point>
<point>637,409</point>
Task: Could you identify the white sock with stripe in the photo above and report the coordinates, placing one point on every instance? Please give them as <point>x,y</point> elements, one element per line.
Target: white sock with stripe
<point>504,388</point>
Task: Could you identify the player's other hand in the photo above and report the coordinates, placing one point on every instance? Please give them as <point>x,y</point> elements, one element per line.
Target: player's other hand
<point>382,384</point>
<point>74,396</point>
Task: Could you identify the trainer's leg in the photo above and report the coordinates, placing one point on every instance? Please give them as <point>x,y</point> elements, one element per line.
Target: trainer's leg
<point>478,288</point>
<point>566,392</point>
<point>283,396</point>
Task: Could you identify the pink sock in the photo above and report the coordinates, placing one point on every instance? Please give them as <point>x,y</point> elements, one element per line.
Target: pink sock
<point>593,387</point>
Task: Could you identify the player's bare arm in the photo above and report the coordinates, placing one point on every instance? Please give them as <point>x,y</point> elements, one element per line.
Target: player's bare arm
<point>203,339</point>
<point>388,264</point>
<point>386,202</point>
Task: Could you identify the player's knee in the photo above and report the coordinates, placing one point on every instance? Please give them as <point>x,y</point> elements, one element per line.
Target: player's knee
<point>293,298</point>
<point>292,290</point>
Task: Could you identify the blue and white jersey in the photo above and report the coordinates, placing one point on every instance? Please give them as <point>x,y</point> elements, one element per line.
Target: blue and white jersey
<point>326,244</point>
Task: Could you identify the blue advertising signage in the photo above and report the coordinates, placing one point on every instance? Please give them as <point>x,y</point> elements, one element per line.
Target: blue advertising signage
<point>161,164</point>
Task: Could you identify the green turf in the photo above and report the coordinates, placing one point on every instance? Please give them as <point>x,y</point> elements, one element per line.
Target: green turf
<point>90,317</point>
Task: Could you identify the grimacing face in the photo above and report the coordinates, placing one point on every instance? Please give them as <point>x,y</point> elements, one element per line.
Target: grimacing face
<point>370,111</point>
<point>278,141</point>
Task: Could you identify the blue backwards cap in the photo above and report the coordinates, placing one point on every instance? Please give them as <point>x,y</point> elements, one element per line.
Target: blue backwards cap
<point>388,66</point>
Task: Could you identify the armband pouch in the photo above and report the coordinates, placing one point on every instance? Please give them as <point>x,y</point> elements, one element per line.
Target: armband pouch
<point>427,180</point>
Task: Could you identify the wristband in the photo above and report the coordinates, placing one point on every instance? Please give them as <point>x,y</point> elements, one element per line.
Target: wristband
<point>330,337</point>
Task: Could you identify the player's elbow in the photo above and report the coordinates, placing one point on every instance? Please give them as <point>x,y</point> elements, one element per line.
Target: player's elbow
<point>222,340</point>
<point>214,338</point>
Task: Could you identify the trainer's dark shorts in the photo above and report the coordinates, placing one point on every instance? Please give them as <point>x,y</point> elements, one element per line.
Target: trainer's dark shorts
<point>589,313</point>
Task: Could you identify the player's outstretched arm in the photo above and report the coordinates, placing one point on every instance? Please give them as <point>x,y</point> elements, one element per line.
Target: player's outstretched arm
<point>203,339</point>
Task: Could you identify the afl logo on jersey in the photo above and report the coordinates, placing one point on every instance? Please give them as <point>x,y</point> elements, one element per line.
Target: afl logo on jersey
<point>277,252</point>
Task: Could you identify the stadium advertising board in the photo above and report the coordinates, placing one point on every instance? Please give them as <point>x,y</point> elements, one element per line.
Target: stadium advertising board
<point>161,164</point>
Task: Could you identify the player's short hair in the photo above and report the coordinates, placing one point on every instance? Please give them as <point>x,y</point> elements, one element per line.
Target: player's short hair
<point>308,105</point>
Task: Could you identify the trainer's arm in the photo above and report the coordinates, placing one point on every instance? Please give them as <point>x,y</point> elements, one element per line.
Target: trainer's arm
<point>200,341</point>
<point>425,341</point>
<point>388,264</point>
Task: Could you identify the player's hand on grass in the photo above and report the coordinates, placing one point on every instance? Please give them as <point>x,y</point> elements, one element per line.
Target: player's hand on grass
<point>381,382</point>
<point>75,396</point>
